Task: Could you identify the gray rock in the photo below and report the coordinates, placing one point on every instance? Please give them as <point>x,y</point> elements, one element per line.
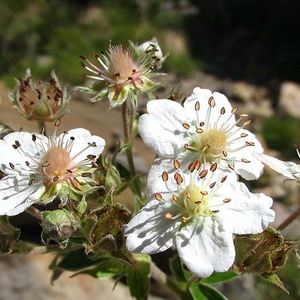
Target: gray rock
<point>289,99</point>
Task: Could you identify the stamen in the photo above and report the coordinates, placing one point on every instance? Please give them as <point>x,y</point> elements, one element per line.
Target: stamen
<point>211,102</point>
<point>223,179</point>
<point>244,160</point>
<point>12,166</point>
<point>226,200</point>
<point>250,143</point>
<point>158,196</point>
<point>199,130</point>
<point>224,153</point>
<point>178,178</point>
<point>176,164</point>
<point>203,173</point>
<point>212,185</point>
<point>213,167</point>
<point>197,106</point>
<point>222,111</point>
<point>168,216</point>
<point>185,125</point>
<point>165,176</point>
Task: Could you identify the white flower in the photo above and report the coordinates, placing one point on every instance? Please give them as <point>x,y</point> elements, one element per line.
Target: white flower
<point>197,214</point>
<point>286,168</point>
<point>203,128</point>
<point>38,168</point>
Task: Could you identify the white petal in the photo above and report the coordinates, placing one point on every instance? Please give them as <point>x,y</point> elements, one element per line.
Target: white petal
<point>279,166</point>
<point>249,170</point>
<point>80,147</point>
<point>205,247</point>
<point>16,195</point>
<point>149,231</point>
<point>214,118</point>
<point>161,129</point>
<point>246,213</point>
<point>16,156</point>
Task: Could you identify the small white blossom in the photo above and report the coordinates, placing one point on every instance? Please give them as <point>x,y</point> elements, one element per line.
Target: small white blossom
<point>203,128</point>
<point>197,213</point>
<point>38,168</point>
<point>286,168</point>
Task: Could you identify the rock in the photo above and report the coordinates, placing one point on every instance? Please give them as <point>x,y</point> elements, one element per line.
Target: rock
<point>246,92</point>
<point>289,99</point>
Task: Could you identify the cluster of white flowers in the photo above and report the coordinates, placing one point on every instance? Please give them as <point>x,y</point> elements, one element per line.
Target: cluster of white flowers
<point>197,203</point>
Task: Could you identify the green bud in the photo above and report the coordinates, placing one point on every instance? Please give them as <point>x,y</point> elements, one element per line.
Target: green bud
<point>58,225</point>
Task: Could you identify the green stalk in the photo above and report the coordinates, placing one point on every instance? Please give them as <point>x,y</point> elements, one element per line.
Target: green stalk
<point>128,141</point>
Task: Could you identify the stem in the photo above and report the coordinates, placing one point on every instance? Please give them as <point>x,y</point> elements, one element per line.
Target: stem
<point>34,212</point>
<point>160,277</point>
<point>289,219</point>
<point>128,142</point>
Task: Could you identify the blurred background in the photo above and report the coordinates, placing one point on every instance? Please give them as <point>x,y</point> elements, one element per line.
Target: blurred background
<point>248,50</point>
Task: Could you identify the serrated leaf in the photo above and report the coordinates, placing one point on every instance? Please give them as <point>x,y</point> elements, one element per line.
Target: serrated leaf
<point>138,277</point>
<point>219,277</point>
<point>201,291</point>
<point>274,279</point>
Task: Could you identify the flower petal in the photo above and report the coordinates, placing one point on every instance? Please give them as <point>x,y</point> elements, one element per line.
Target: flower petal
<point>279,166</point>
<point>16,195</point>
<point>161,129</point>
<point>149,231</point>
<point>83,144</point>
<point>246,213</point>
<point>253,167</point>
<point>205,247</point>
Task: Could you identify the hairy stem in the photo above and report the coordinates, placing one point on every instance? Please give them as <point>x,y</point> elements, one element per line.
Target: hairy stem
<point>128,142</point>
<point>168,283</point>
<point>292,217</point>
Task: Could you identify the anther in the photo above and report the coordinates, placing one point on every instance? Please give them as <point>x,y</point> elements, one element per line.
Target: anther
<point>185,125</point>
<point>168,216</point>
<point>46,164</point>
<point>212,185</point>
<point>82,57</point>
<point>243,135</point>
<point>204,193</point>
<point>211,102</point>
<point>202,124</point>
<point>250,143</point>
<point>222,111</point>
<point>244,160</point>
<point>197,106</point>
<point>174,198</point>
<point>72,138</point>
<point>215,211</point>
<point>244,116</point>
<point>199,130</point>
<point>57,123</point>
<point>93,144</point>
<point>165,176</point>
<point>192,166</point>
<point>17,143</point>
<point>12,166</point>
<point>31,181</point>
<point>226,200</point>
<point>186,146</point>
<point>176,164</point>
<point>55,178</point>
<point>198,202</point>
<point>213,167</point>
<point>27,163</point>
<point>205,148</point>
<point>203,173</point>
<point>178,178</point>
<point>158,196</point>
<point>197,164</point>
<point>184,219</point>
<point>224,153</point>
<point>223,179</point>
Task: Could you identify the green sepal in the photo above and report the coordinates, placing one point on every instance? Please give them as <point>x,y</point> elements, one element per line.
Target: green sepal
<point>274,279</point>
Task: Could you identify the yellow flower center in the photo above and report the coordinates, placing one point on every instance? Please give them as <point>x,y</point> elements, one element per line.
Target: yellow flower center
<point>194,202</point>
<point>121,65</point>
<point>210,144</point>
<point>56,162</point>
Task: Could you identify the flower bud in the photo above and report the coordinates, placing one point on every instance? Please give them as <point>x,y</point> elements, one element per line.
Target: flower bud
<point>40,101</point>
<point>58,225</point>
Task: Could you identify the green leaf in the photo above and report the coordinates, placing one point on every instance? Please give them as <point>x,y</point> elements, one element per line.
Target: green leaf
<point>138,277</point>
<point>176,269</point>
<point>274,279</point>
<point>219,277</point>
<point>205,292</point>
